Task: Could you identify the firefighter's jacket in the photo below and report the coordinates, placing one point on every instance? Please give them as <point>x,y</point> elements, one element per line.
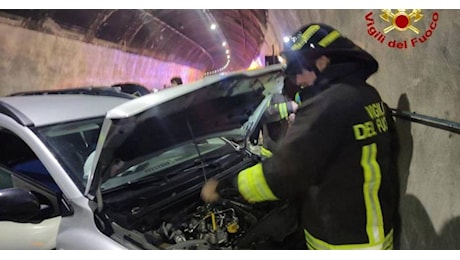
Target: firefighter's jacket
<point>338,160</point>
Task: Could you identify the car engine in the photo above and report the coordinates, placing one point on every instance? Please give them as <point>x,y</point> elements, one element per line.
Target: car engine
<point>208,227</point>
<point>171,215</point>
<point>227,224</point>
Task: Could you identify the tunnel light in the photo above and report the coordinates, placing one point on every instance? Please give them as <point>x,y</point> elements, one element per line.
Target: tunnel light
<point>286,39</point>
<point>227,51</point>
<point>218,70</point>
<point>213,26</point>
<point>228,56</point>
<point>224,44</point>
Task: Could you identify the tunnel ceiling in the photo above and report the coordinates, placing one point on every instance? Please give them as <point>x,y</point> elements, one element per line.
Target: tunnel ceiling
<point>180,36</point>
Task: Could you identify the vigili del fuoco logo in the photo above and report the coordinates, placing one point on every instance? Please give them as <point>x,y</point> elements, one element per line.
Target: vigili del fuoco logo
<point>401,29</point>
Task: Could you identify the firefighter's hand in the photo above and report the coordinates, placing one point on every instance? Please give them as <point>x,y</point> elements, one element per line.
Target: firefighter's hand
<point>209,192</point>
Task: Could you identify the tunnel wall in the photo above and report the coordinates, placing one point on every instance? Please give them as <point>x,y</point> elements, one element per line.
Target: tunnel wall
<point>31,60</point>
<point>424,79</point>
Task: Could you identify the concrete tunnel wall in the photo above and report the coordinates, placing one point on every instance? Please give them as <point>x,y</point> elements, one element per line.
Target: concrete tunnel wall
<point>421,78</point>
<point>31,60</point>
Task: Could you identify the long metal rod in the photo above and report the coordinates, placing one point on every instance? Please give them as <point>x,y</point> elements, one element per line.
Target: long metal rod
<point>451,126</point>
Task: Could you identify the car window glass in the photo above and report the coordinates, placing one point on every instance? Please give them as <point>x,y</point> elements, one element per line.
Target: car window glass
<point>72,143</point>
<point>166,160</point>
<point>5,179</point>
<point>16,155</point>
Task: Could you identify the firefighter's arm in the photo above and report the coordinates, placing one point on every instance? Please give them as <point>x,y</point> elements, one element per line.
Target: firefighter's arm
<point>249,183</point>
<point>253,186</point>
<point>278,111</point>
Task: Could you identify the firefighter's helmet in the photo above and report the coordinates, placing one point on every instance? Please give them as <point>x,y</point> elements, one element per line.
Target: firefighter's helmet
<point>313,40</point>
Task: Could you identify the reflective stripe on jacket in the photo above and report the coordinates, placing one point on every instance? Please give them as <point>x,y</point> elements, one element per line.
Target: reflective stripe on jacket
<point>253,186</point>
<point>314,244</point>
<point>265,152</point>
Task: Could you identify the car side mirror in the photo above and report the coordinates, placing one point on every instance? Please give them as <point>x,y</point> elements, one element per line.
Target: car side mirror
<point>18,205</point>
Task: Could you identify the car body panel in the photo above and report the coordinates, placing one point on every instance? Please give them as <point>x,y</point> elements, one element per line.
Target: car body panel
<point>79,231</point>
<point>71,107</point>
<point>19,236</point>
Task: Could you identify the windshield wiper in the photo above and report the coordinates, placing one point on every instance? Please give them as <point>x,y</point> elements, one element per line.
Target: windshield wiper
<point>215,162</point>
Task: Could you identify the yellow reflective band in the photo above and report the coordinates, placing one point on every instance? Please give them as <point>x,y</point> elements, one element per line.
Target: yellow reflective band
<point>305,37</point>
<point>283,110</point>
<point>265,152</point>
<point>253,186</point>
<point>330,38</point>
<point>388,242</point>
<point>297,98</point>
<point>372,178</point>
<point>317,244</point>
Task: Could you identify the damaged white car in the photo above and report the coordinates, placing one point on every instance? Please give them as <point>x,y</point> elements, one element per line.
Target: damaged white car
<point>112,173</point>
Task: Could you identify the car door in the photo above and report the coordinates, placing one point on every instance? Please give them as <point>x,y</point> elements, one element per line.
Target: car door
<point>25,181</point>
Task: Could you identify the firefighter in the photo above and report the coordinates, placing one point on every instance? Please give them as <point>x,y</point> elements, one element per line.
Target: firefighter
<point>280,114</point>
<point>277,118</point>
<point>338,158</point>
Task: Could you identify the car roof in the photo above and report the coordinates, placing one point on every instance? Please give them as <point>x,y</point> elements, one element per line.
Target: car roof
<point>40,110</point>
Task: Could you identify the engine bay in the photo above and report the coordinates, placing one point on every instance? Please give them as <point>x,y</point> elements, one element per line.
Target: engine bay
<point>230,223</point>
<point>171,215</point>
<point>227,224</point>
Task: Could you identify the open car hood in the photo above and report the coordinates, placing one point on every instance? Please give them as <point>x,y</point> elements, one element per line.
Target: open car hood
<point>220,105</point>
